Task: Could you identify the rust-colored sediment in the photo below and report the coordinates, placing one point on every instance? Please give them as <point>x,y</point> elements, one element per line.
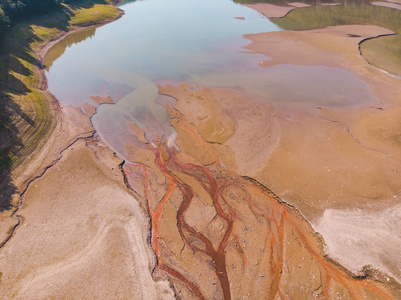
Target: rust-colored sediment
<point>290,248</point>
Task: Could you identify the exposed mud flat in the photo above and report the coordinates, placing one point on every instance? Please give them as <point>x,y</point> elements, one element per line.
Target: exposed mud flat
<point>218,234</point>
<point>70,126</point>
<point>338,158</point>
<point>348,233</point>
<point>288,141</point>
<point>83,235</point>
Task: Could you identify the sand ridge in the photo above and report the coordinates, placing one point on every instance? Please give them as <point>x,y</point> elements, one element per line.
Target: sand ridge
<point>386,4</point>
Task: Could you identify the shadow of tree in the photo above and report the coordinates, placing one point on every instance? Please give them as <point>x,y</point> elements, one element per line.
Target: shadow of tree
<point>10,113</point>
<point>10,144</point>
<point>85,3</point>
<point>17,60</point>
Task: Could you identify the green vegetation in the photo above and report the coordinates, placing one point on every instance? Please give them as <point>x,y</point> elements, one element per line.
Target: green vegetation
<point>323,16</point>
<point>91,16</point>
<point>27,114</point>
<point>382,52</point>
<point>74,38</point>
<point>12,11</point>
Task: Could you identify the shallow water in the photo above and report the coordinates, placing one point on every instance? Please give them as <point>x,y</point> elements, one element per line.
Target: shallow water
<point>199,41</point>
<point>298,87</point>
<point>156,39</point>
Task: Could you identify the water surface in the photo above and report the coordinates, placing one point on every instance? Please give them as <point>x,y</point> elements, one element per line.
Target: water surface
<point>156,39</point>
<point>199,41</point>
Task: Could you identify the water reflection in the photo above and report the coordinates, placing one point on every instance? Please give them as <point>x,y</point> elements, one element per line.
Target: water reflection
<point>199,41</point>
<point>58,49</point>
<point>159,39</point>
<point>156,39</point>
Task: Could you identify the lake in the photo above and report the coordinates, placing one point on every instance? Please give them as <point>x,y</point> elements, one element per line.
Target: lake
<point>199,41</point>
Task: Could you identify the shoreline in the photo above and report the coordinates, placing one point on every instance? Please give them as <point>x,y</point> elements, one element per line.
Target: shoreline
<point>49,148</point>
<point>74,134</point>
<point>339,46</point>
<point>53,101</point>
<point>44,48</point>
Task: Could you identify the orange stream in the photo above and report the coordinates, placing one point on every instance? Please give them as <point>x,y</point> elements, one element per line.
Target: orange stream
<point>278,218</point>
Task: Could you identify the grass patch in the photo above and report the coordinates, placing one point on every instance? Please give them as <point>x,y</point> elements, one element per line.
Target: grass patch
<point>27,115</point>
<point>97,14</point>
<point>382,52</point>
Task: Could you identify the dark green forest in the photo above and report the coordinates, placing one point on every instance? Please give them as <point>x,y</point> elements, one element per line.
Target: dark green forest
<point>12,11</point>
